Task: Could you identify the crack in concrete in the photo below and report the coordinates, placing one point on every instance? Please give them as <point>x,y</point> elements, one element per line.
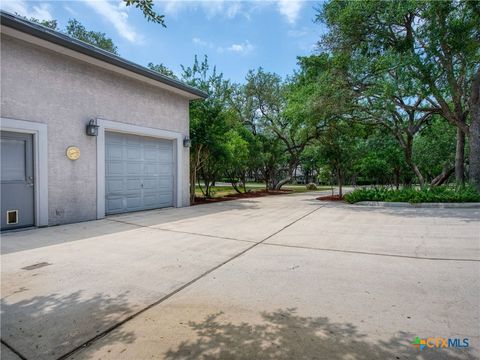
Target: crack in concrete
<point>184,286</point>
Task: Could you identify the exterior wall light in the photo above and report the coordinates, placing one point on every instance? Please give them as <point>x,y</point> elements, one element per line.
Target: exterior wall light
<point>187,142</point>
<point>92,128</point>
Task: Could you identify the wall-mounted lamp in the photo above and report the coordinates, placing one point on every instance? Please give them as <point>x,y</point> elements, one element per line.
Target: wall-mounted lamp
<point>187,142</point>
<point>92,128</point>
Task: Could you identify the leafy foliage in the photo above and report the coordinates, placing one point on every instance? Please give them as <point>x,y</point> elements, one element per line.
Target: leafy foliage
<point>96,38</point>
<point>147,8</point>
<point>76,30</point>
<point>434,148</point>
<point>208,124</point>
<point>423,195</point>
<point>162,69</point>
<point>410,61</point>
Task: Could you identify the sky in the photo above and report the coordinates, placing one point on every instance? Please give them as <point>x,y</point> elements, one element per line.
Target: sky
<point>235,35</point>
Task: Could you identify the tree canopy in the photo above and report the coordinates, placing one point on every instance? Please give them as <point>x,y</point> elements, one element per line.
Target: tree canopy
<point>390,97</point>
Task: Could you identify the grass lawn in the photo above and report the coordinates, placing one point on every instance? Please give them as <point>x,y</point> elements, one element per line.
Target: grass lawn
<point>223,190</point>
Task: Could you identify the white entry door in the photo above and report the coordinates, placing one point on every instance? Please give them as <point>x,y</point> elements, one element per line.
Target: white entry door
<point>139,173</point>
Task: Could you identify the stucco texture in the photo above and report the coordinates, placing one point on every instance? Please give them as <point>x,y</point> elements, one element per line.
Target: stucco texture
<point>43,86</point>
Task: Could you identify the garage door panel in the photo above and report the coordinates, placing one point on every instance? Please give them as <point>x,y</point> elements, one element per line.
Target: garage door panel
<point>153,143</point>
<point>165,181</point>
<point>133,140</point>
<point>114,138</point>
<point>134,184</point>
<point>139,173</point>
<point>114,168</point>
<point>165,198</point>
<point>151,154</point>
<point>134,202</point>
<point>134,153</point>
<point>134,168</point>
<point>115,185</point>
<point>157,170</point>
<point>114,151</point>
<point>114,204</point>
<point>165,157</point>
<point>151,199</point>
<point>154,199</point>
<point>151,184</point>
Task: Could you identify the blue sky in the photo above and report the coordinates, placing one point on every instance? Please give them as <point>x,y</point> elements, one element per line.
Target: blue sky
<point>236,35</point>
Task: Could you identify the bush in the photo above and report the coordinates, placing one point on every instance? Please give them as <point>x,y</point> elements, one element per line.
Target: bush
<point>311,186</point>
<point>440,194</point>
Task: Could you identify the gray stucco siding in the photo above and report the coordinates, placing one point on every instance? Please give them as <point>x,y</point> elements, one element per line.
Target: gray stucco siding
<point>41,85</point>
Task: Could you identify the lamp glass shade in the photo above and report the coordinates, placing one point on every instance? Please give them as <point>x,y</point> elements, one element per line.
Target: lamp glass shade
<point>92,129</point>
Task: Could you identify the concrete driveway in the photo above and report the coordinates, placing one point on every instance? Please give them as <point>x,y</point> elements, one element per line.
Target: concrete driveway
<point>280,277</point>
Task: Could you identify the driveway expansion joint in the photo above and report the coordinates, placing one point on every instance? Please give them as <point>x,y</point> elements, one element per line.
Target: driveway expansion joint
<point>370,253</point>
<point>181,232</point>
<point>184,286</point>
<point>7,345</point>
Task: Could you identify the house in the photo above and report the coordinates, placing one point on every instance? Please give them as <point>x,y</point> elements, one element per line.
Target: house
<point>85,133</point>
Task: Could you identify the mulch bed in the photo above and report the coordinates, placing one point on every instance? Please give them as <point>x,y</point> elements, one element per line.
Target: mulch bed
<point>250,194</point>
<point>330,198</point>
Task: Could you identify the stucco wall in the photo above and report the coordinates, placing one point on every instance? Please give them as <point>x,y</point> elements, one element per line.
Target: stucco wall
<point>43,86</point>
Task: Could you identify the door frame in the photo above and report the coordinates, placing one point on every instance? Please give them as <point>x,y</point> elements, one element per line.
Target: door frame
<point>115,126</point>
<point>40,162</point>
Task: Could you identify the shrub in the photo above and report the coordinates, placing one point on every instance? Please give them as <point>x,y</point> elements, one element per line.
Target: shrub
<point>311,186</point>
<point>440,194</point>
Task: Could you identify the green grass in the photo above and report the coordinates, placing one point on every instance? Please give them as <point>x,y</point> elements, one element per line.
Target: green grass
<point>439,194</point>
<point>220,191</point>
<point>300,188</point>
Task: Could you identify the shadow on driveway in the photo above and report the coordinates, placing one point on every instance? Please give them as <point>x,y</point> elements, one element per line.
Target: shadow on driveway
<point>283,335</point>
<point>41,327</point>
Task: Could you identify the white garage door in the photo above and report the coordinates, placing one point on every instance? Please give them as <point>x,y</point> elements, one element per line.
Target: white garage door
<point>138,173</point>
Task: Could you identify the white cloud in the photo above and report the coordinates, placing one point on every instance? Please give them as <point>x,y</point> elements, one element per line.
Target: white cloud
<point>212,8</point>
<point>70,10</point>
<point>202,43</point>
<point>290,9</point>
<point>243,48</point>
<point>231,9</point>
<point>173,7</point>
<point>117,15</point>
<point>198,41</point>
<point>42,11</point>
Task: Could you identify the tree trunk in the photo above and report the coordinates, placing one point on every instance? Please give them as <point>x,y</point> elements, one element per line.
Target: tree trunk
<point>340,182</point>
<point>408,150</point>
<point>419,175</point>
<point>282,182</point>
<point>194,165</point>
<point>234,184</point>
<point>396,178</point>
<point>193,182</point>
<point>415,169</point>
<point>460,157</point>
<point>291,170</point>
<point>443,176</point>
<point>474,137</point>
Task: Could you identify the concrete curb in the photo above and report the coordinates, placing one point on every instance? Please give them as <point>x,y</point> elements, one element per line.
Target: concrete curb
<point>420,205</point>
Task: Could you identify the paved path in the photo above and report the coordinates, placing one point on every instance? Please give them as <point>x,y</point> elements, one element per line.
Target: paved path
<point>280,277</point>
